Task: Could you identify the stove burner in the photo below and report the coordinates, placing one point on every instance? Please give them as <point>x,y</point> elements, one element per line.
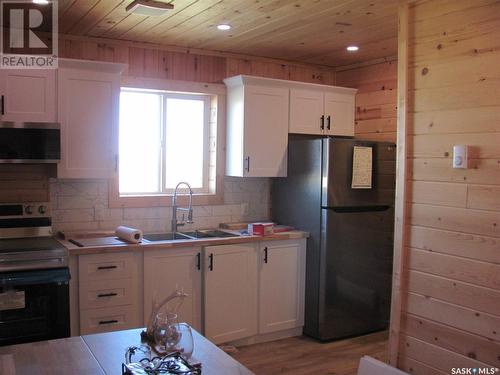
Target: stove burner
<point>25,238</point>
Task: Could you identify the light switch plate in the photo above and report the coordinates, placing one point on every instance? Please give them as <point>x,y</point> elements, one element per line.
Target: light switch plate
<point>460,156</point>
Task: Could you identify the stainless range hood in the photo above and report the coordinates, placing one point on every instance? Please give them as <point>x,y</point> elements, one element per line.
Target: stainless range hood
<point>30,142</point>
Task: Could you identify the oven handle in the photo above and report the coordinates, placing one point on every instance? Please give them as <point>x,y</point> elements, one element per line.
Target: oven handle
<point>12,262</point>
<point>7,264</point>
<point>35,277</point>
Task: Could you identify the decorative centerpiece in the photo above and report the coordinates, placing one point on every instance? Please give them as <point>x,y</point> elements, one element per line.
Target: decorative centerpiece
<point>170,340</point>
<point>149,335</point>
<point>171,364</point>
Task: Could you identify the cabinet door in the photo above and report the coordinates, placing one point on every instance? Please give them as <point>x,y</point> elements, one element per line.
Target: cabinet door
<point>88,113</point>
<point>29,95</point>
<point>265,131</point>
<point>168,269</point>
<point>281,285</point>
<point>306,111</point>
<point>230,292</point>
<point>339,112</point>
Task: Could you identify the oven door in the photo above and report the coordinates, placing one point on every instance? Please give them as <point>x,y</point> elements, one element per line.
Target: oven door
<point>34,305</point>
<point>29,142</point>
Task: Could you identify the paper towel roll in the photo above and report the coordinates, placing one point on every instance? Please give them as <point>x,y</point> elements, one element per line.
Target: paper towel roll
<point>129,234</point>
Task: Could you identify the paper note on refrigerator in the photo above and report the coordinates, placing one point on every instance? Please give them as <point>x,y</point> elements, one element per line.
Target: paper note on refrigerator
<point>362,168</point>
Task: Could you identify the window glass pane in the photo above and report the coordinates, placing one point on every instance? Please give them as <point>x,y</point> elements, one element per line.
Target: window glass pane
<point>184,148</point>
<point>140,142</point>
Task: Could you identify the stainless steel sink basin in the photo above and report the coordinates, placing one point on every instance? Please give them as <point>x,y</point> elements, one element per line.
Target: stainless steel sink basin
<point>197,234</point>
<point>192,235</point>
<point>166,237</point>
<point>220,233</point>
<point>209,234</point>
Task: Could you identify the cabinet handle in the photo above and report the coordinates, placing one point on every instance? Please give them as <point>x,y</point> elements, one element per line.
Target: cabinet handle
<point>328,120</point>
<point>112,321</point>
<point>322,126</point>
<point>106,267</point>
<point>2,105</point>
<point>198,261</point>
<point>265,255</point>
<point>102,295</point>
<point>247,160</point>
<point>211,262</point>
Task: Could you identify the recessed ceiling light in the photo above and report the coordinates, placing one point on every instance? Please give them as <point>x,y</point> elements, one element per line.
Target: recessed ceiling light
<point>352,48</point>
<point>41,2</point>
<point>149,7</point>
<point>224,26</point>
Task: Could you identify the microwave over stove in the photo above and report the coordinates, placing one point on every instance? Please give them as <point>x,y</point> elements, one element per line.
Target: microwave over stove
<point>30,142</point>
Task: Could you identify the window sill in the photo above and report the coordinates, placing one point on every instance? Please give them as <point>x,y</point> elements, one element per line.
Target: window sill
<point>163,200</point>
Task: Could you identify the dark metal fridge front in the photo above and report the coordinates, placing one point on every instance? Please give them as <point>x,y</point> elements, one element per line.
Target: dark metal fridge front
<point>349,252</point>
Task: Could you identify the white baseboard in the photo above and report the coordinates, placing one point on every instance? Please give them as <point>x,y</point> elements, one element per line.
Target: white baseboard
<point>267,337</point>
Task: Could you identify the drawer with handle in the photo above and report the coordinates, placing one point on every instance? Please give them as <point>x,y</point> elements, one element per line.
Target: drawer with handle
<point>97,294</point>
<point>109,319</point>
<point>106,266</point>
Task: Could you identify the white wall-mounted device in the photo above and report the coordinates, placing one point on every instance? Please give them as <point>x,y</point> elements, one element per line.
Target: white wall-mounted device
<point>460,156</point>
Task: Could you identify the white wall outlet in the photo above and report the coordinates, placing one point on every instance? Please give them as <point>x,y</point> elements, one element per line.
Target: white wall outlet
<point>460,156</point>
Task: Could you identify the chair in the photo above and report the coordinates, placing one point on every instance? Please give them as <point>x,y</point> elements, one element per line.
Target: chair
<point>371,366</point>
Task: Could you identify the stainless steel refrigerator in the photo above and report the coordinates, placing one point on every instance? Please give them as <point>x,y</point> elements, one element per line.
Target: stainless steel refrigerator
<point>349,251</point>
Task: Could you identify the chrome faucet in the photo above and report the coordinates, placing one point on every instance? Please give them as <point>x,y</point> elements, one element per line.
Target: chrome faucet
<point>189,209</point>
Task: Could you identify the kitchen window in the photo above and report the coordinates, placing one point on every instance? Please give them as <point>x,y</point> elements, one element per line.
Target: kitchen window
<point>164,138</point>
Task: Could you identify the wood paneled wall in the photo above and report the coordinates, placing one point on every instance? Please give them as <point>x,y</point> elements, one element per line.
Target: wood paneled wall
<point>151,61</point>
<point>375,99</point>
<point>30,183</point>
<point>451,304</point>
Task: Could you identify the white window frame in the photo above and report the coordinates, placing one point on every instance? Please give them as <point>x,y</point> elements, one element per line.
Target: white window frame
<point>164,96</point>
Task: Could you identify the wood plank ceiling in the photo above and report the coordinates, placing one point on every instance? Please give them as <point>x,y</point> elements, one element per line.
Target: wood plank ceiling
<point>309,31</point>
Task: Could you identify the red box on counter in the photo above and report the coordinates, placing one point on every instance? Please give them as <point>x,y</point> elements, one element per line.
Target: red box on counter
<point>260,229</point>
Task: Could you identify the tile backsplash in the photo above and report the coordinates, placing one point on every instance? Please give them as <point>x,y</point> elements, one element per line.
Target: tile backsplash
<point>83,205</point>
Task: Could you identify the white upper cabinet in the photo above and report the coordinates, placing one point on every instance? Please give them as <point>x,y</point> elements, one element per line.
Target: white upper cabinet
<point>28,95</point>
<point>339,112</point>
<point>88,112</point>
<point>306,111</point>
<point>262,111</point>
<point>322,110</point>
<point>257,127</point>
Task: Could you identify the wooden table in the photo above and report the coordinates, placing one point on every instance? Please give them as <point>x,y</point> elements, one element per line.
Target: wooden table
<point>101,354</point>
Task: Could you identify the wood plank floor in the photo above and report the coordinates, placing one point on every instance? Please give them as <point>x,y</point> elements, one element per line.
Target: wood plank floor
<point>304,356</point>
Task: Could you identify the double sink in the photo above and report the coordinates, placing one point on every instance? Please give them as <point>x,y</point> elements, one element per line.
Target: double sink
<point>188,236</point>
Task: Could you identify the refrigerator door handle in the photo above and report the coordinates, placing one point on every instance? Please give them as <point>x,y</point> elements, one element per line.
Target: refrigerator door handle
<point>347,209</point>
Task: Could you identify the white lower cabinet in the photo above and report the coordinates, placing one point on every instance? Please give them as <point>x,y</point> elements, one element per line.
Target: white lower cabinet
<point>108,286</point>
<point>281,285</point>
<point>168,269</point>
<point>235,292</point>
<point>230,292</point>
<point>109,319</point>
